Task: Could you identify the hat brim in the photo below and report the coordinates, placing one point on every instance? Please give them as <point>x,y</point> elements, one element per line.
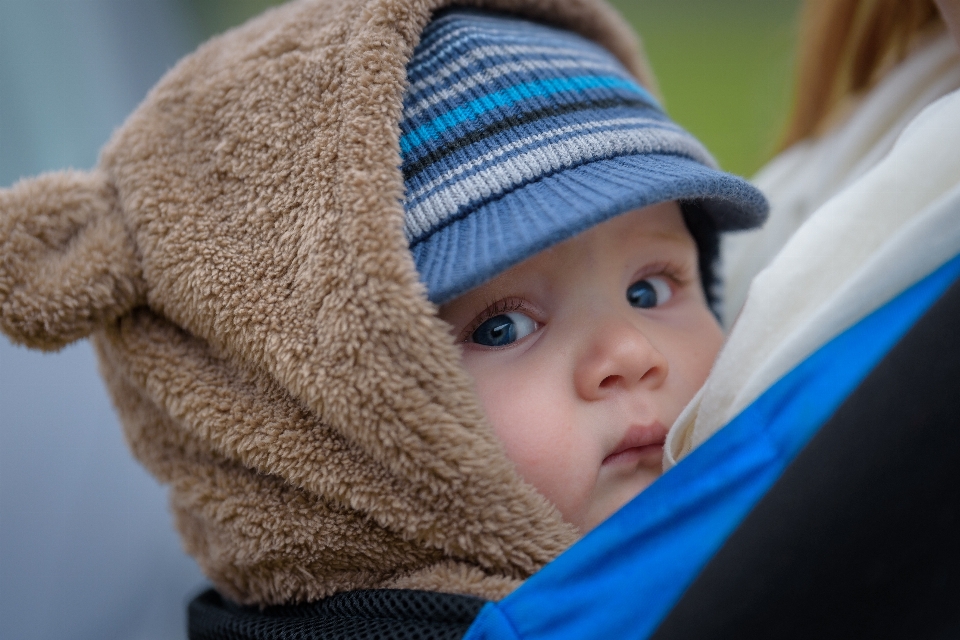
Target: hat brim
<point>477,247</point>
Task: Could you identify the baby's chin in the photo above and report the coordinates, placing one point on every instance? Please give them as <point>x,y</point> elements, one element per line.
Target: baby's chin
<point>616,487</point>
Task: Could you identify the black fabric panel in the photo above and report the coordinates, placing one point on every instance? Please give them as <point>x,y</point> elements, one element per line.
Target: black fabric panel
<point>860,538</point>
<point>380,614</point>
<point>703,228</point>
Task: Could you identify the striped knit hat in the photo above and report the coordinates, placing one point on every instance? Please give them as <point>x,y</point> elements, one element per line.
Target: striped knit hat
<point>516,136</point>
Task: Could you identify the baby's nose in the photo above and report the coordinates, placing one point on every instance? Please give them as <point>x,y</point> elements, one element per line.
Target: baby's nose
<point>618,356</point>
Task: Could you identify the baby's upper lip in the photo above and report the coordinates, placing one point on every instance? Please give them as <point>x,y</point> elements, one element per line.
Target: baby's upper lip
<point>640,435</point>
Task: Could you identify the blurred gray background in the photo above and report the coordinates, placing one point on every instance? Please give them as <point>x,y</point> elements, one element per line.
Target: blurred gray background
<point>87,549</point>
<point>86,544</point>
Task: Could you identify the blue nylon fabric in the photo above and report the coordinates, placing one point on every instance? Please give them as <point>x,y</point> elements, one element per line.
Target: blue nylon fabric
<point>622,579</point>
<point>507,97</point>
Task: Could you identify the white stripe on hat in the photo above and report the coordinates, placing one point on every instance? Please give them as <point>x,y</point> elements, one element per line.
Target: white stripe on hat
<point>535,139</point>
<point>525,167</point>
<point>481,53</point>
<point>498,71</point>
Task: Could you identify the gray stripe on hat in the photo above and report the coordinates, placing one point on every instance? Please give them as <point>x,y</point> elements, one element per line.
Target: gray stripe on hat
<point>481,53</point>
<point>443,40</point>
<point>536,139</point>
<point>474,30</point>
<point>483,27</point>
<point>546,160</point>
<point>491,74</point>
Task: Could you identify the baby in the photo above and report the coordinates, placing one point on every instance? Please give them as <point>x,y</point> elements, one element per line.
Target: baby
<point>251,266</point>
<point>568,231</point>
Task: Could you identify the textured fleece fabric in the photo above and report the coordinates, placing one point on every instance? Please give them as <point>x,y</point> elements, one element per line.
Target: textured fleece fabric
<point>238,259</point>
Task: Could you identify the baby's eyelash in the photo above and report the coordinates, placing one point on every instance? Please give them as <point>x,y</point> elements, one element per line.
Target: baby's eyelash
<point>493,309</point>
<point>677,273</point>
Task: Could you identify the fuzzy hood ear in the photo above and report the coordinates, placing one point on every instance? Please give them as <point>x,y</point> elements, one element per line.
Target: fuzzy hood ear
<point>67,264</point>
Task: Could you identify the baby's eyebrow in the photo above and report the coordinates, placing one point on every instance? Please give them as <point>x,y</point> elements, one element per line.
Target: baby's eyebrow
<point>676,237</point>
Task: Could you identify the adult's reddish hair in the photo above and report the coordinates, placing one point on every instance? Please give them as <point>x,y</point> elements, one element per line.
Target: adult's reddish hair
<point>845,47</point>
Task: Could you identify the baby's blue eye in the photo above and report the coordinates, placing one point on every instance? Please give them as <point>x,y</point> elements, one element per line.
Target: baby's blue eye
<point>503,329</point>
<point>649,293</point>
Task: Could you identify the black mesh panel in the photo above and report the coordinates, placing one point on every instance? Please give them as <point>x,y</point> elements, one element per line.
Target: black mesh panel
<point>382,614</point>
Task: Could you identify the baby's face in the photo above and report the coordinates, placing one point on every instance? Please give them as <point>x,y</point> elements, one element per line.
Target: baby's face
<point>585,354</point>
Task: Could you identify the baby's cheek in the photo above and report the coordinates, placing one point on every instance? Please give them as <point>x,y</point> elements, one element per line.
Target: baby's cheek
<point>555,468</point>
<point>708,346</point>
<point>699,344</point>
<point>529,428</point>
<point>691,349</point>
<point>536,428</point>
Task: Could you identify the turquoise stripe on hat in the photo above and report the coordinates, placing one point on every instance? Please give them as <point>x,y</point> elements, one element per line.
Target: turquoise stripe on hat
<point>477,107</point>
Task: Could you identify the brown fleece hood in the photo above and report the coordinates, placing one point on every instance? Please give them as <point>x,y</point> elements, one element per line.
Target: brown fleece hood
<point>238,259</point>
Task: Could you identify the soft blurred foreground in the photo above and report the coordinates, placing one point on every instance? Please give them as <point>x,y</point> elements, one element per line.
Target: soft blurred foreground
<point>87,548</point>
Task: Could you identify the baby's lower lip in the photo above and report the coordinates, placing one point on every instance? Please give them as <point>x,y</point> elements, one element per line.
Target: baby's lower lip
<point>641,445</point>
<point>647,455</point>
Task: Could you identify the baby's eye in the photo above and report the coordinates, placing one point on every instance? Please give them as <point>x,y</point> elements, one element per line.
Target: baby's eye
<point>503,329</point>
<point>649,292</point>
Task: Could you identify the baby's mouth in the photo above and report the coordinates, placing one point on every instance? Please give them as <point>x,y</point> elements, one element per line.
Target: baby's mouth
<point>641,445</point>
